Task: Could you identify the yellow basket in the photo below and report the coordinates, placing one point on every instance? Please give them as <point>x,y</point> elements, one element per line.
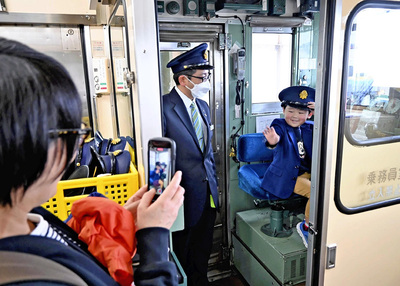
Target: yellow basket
<point>118,188</point>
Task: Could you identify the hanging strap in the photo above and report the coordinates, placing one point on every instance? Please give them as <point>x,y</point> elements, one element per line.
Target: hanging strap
<point>17,267</point>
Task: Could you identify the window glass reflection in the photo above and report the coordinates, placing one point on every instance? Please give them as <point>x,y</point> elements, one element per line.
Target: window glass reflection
<point>373,79</point>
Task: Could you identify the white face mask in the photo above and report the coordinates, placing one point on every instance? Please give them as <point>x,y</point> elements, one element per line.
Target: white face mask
<point>199,90</point>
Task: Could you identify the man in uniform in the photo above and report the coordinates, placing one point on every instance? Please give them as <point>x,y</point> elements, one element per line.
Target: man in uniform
<point>187,121</point>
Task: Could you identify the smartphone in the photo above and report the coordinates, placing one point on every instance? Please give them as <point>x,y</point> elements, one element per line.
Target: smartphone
<point>161,164</point>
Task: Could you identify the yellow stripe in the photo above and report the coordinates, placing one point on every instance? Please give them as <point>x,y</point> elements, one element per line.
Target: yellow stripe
<point>212,202</point>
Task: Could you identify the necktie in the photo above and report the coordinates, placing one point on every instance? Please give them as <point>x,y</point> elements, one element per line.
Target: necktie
<point>300,144</point>
<point>197,125</point>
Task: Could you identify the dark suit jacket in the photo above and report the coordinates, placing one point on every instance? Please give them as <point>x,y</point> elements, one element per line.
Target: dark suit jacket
<point>198,169</point>
<point>280,177</point>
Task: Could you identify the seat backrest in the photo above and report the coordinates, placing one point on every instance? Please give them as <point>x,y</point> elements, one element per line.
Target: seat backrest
<point>251,148</point>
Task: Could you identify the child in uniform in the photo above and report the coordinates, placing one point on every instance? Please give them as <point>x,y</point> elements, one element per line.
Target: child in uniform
<point>291,140</point>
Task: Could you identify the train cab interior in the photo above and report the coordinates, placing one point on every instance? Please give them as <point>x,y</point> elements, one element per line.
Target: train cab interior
<point>255,54</point>
<point>117,52</point>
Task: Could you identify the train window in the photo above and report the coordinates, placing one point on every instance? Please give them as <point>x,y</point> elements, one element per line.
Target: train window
<point>372,84</point>
<point>271,69</point>
<point>369,178</point>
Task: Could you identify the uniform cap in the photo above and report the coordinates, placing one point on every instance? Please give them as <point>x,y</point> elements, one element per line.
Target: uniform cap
<point>298,96</point>
<point>196,58</point>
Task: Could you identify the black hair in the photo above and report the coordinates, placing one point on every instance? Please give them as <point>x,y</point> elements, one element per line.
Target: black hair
<point>187,72</point>
<point>301,107</point>
<point>37,95</point>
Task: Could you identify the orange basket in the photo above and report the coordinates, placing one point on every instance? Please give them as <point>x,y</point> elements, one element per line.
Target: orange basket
<point>118,188</point>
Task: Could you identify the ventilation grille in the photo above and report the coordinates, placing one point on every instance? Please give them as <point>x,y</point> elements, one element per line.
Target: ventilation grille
<point>293,269</point>
<point>302,266</point>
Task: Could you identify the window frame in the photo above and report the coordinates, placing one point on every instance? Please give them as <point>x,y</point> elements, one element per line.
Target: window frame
<point>373,141</point>
<point>344,128</point>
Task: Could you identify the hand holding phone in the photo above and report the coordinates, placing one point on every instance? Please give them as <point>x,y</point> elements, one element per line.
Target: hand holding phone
<point>161,213</point>
<point>161,164</point>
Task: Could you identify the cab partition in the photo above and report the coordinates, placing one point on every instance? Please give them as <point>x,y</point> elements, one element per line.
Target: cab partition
<point>267,246</point>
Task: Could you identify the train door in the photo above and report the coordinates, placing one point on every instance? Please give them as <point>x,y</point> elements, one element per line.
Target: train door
<point>176,38</point>
<point>356,234</point>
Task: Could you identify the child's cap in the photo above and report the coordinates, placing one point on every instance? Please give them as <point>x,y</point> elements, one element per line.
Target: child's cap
<point>196,58</point>
<point>297,96</point>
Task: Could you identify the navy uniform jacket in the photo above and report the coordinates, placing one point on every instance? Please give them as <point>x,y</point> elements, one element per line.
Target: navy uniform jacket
<point>198,169</point>
<point>154,269</point>
<point>280,177</point>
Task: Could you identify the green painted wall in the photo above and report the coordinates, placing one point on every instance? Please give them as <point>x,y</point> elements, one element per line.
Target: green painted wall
<point>239,200</point>
<point>305,56</point>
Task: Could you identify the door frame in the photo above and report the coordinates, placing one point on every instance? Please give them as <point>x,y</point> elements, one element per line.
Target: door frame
<point>170,35</point>
<point>349,232</point>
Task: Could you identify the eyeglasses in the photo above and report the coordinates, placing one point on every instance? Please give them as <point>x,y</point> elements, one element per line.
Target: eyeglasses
<point>203,79</point>
<point>82,133</point>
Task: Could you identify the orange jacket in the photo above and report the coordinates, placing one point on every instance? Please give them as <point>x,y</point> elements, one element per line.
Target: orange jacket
<point>109,231</point>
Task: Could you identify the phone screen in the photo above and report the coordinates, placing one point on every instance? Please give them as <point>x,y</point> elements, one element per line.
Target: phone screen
<point>159,168</point>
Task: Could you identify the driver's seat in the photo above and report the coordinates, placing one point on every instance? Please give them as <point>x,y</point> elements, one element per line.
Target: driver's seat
<point>251,149</point>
